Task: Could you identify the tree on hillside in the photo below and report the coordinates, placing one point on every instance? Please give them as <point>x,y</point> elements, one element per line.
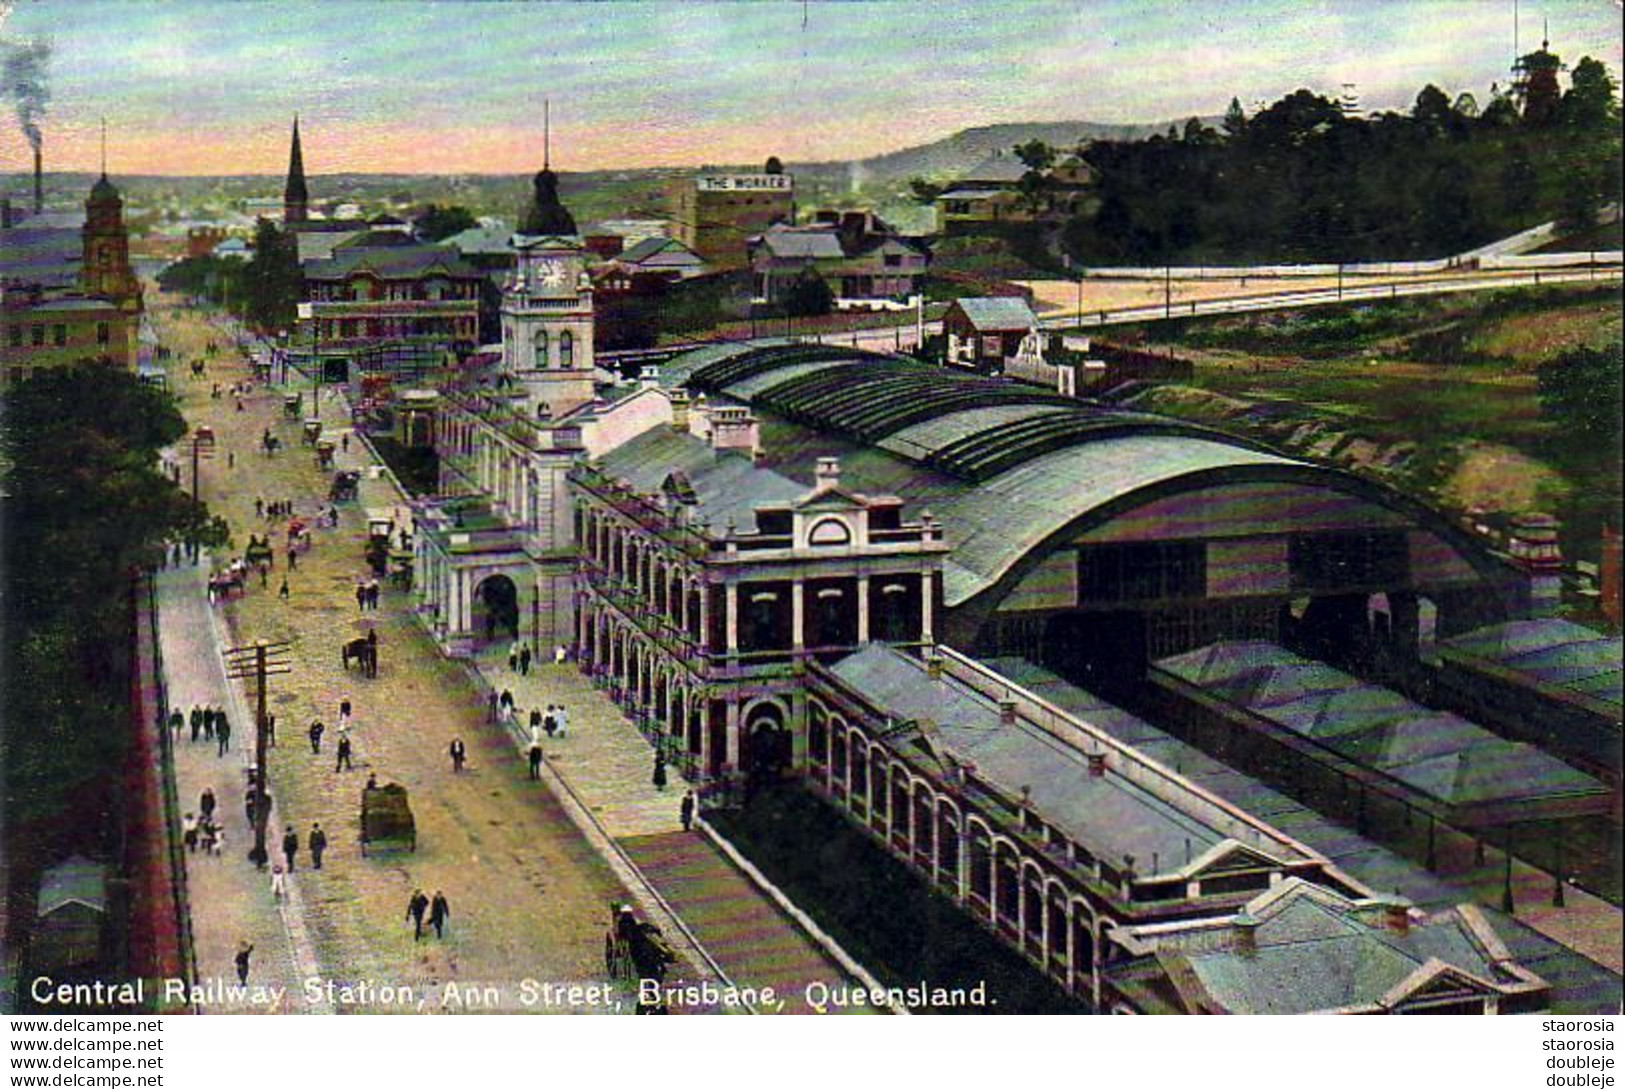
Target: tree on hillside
<point>1580,394</point>
<point>1036,184</point>
<point>923,192</point>
<point>1235,119</point>
<point>1519,183</point>
<point>437,223</point>
<point>1591,103</point>
<point>1432,109</point>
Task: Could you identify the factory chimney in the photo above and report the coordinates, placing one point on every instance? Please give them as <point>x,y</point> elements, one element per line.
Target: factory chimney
<point>39,182</point>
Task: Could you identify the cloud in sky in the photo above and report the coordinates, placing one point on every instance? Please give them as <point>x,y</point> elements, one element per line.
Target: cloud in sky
<point>194,86</point>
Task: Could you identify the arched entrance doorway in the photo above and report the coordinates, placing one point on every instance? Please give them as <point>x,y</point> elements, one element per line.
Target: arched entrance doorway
<point>496,609</point>
<point>768,742</point>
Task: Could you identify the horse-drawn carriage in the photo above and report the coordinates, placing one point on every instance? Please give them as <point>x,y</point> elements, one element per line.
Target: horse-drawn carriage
<point>293,406</point>
<point>227,583</point>
<point>386,819</point>
<point>324,453</point>
<point>637,950</point>
<point>346,482</point>
<point>312,432</point>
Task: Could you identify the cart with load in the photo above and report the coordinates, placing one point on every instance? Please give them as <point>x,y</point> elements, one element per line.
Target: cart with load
<point>345,484</point>
<point>386,819</point>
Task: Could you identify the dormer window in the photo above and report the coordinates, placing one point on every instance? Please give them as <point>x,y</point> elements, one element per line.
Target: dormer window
<point>829,533</point>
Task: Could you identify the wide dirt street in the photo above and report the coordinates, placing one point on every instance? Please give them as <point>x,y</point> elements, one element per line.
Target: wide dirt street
<point>528,896</point>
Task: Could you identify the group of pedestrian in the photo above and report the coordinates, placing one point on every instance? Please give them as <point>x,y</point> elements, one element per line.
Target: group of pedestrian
<point>366,595</point>
<point>316,841</point>
<point>280,508</point>
<point>519,658</point>
<point>439,912</point>
<point>208,722</point>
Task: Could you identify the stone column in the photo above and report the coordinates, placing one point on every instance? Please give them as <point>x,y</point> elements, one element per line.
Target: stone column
<point>798,615</point>
<point>863,609</point>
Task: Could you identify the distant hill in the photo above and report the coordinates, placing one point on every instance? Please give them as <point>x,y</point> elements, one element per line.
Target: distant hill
<point>953,155</point>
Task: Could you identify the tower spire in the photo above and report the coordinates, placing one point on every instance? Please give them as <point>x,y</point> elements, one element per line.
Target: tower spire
<point>295,196</point>
<point>547,134</point>
<point>104,147</point>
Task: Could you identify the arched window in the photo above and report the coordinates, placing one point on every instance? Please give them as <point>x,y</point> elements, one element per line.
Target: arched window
<point>829,532</point>
<point>567,350</point>
<point>541,348</point>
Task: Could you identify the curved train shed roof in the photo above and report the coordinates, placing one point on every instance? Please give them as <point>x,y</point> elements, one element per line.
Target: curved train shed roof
<point>1007,466</point>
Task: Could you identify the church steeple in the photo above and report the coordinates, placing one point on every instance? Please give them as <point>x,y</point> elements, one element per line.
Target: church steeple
<point>295,197</point>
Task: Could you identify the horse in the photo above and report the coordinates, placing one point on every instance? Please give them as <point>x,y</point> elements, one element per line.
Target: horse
<point>225,584</point>
<point>364,652</point>
<point>271,445</point>
<point>197,368</point>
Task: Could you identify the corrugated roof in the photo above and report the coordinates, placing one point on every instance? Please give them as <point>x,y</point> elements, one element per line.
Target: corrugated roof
<point>1108,815</point>
<point>74,880</point>
<point>999,313</point>
<point>390,262</point>
<point>727,486</point>
<point>816,245</point>
<point>1437,754</point>
<point>1552,652</point>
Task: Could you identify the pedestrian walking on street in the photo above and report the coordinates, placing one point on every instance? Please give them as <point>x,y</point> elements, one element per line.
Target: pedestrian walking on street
<point>197,721</point>
<point>344,713</point>
<point>222,734</point>
<point>244,951</point>
<point>231,458</point>
<point>343,762</point>
<point>176,721</point>
<point>513,657</point>
<point>562,719</point>
<point>535,760</point>
<point>507,701</point>
<point>535,724</point>
<point>293,558</point>
<point>459,753</point>
<point>259,504</point>
<point>491,711</point>
<point>283,593</point>
<point>524,660</point>
<point>189,832</point>
<point>290,846</point>
<point>318,844</point>
<point>205,803</point>
<point>316,731</point>
<point>360,596</point>
<point>278,883</point>
<point>344,442</point>
<point>550,721</point>
<point>659,777</point>
<point>560,655</point>
<point>686,811</point>
<point>415,907</point>
<point>439,914</point>
<point>208,723</point>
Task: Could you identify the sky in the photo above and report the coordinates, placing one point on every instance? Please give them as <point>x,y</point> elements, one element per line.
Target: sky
<point>437,86</point>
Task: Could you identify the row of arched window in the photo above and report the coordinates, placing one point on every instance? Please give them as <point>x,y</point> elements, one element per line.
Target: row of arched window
<point>990,874</point>
<point>668,588</point>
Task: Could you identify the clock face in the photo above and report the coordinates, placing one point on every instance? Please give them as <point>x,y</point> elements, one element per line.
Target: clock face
<point>553,273</point>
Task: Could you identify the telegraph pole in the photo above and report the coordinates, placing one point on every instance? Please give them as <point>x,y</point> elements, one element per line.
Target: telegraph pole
<point>202,447</point>
<point>259,661</point>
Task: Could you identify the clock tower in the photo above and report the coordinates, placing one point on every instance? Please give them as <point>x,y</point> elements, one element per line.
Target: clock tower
<point>547,315</point>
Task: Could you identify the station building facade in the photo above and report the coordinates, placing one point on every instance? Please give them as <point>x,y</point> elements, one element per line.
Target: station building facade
<point>767,553</point>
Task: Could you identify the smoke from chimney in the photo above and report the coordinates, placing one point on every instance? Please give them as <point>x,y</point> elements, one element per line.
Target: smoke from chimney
<point>39,183</point>
<point>24,74</point>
